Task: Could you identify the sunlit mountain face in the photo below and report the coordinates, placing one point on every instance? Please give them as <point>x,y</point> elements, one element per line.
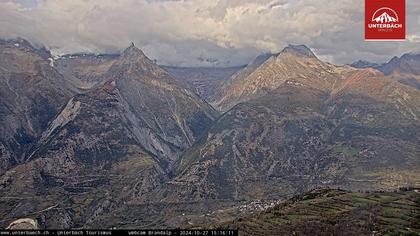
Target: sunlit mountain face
<point>207,115</point>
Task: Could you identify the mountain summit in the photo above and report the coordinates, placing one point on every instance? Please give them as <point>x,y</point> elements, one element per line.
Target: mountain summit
<point>133,61</point>
<point>294,64</point>
<point>133,51</point>
<point>299,50</point>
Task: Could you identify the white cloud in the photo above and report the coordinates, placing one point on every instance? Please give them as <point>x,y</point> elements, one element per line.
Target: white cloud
<point>199,32</point>
<point>414,38</point>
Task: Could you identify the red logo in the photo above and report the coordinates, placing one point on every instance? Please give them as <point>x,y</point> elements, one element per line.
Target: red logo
<point>384,19</point>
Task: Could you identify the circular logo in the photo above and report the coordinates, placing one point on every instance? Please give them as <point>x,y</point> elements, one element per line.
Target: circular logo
<point>385,15</point>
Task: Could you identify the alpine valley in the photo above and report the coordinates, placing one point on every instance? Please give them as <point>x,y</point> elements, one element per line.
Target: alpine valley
<point>117,141</point>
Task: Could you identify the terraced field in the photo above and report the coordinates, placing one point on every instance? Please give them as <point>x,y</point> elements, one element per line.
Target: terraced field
<point>337,212</point>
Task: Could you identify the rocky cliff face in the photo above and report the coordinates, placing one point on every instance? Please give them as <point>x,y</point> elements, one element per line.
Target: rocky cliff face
<point>32,93</point>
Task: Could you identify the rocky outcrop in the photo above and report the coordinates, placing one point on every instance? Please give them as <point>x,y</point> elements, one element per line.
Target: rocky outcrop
<point>24,223</point>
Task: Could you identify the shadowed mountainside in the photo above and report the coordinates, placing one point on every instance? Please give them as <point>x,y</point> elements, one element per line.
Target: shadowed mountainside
<point>32,93</point>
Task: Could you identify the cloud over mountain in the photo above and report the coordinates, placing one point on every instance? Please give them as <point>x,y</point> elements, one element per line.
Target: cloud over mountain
<point>188,32</point>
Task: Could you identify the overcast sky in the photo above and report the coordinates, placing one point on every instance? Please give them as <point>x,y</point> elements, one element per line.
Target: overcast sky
<point>203,32</point>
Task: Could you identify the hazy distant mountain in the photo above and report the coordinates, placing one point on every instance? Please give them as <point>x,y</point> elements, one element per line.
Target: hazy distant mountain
<point>364,64</point>
<point>85,70</point>
<point>205,81</point>
<point>405,69</point>
<point>407,63</point>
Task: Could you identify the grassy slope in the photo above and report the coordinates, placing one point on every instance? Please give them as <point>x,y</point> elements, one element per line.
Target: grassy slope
<point>337,212</point>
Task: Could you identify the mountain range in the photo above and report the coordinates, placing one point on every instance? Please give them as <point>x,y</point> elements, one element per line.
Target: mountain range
<point>404,69</point>
<point>101,141</point>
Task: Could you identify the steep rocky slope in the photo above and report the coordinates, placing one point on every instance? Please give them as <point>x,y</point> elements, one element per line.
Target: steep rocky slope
<point>241,75</point>
<point>32,93</point>
<point>295,62</point>
<point>107,146</point>
<point>312,125</point>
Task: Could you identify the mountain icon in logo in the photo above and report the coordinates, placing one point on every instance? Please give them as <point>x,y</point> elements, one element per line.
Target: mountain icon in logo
<point>385,20</point>
<point>385,15</point>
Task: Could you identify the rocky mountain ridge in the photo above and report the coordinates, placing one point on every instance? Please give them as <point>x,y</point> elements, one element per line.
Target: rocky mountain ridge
<point>122,143</point>
<point>404,69</point>
<point>295,64</point>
